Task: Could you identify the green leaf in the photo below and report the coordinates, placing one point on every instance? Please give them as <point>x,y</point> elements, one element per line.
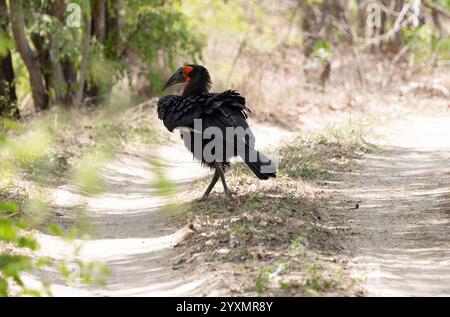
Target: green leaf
<point>6,44</point>
<point>12,265</point>
<point>44,261</point>
<point>56,230</point>
<point>7,231</point>
<point>3,287</point>
<point>9,207</point>
<point>28,242</point>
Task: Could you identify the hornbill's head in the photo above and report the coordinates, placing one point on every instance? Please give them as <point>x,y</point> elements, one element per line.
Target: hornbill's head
<point>195,78</point>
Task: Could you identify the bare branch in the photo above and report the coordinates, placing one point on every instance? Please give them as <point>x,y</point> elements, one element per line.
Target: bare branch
<point>437,8</point>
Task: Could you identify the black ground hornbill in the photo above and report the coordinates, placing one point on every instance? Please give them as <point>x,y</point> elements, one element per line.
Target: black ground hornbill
<point>214,126</point>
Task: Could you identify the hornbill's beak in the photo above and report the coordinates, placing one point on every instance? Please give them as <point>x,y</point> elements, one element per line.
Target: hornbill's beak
<point>176,78</point>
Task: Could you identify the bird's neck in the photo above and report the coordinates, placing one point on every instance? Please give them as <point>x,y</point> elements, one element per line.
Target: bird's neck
<point>197,86</point>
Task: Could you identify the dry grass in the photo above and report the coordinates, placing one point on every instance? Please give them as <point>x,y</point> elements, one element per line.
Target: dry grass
<point>322,155</point>
<point>272,239</point>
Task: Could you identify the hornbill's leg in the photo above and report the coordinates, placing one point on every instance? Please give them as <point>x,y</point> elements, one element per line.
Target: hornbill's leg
<point>219,168</point>
<point>211,185</point>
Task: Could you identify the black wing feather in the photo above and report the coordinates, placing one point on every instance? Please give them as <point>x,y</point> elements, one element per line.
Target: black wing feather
<point>179,111</point>
<point>221,111</point>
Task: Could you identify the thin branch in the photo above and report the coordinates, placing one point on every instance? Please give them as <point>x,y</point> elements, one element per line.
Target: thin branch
<point>400,22</point>
<point>437,8</point>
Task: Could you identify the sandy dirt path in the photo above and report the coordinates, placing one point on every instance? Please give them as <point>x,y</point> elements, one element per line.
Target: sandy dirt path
<point>134,231</point>
<point>399,236</point>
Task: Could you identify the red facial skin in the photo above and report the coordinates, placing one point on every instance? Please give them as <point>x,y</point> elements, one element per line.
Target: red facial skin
<point>186,71</point>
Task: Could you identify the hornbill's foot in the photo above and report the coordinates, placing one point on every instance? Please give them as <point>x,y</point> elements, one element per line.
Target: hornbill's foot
<point>204,197</point>
<point>230,193</point>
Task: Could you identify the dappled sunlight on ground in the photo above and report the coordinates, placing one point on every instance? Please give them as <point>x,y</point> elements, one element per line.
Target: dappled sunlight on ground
<point>399,236</point>
<point>134,227</point>
<point>133,233</point>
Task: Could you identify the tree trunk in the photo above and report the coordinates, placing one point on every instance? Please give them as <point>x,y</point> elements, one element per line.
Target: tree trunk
<point>112,29</point>
<point>57,76</point>
<point>43,54</point>
<point>29,57</point>
<point>339,12</point>
<point>99,19</point>
<point>99,31</point>
<point>65,75</point>
<point>84,60</point>
<point>362,19</point>
<point>70,76</point>
<point>310,29</point>
<point>8,98</point>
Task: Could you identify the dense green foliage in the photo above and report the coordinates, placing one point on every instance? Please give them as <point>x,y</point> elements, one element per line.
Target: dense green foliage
<point>123,36</point>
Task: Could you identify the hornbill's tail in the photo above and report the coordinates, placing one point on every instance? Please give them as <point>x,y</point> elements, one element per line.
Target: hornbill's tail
<point>259,163</point>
